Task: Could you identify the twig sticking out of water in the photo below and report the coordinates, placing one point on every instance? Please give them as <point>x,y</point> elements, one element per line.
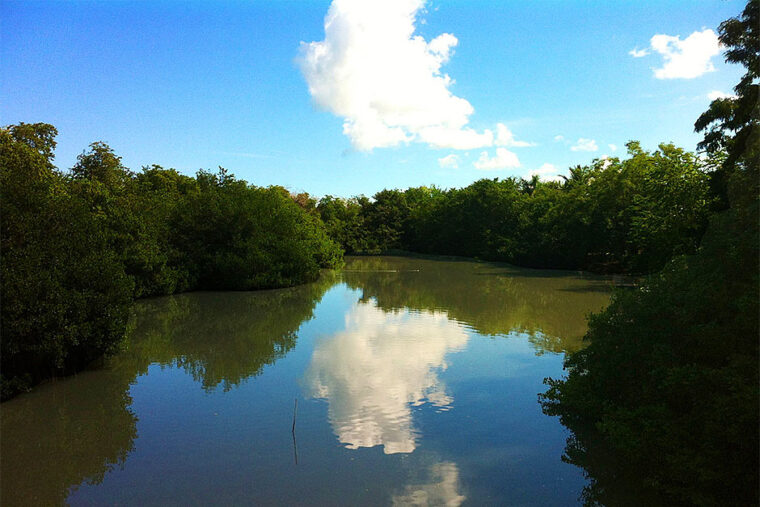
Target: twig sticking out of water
<point>293,430</point>
<point>295,410</point>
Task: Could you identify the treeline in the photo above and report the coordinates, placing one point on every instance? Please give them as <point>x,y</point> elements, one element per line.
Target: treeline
<point>615,215</point>
<point>663,402</point>
<point>78,247</point>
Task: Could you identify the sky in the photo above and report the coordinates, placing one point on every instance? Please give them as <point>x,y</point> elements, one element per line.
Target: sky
<point>351,96</point>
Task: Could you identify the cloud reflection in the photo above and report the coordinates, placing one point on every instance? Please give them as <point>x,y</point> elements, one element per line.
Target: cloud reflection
<point>443,488</point>
<point>381,365</point>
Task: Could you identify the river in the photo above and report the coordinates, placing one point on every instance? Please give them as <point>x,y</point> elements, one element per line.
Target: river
<point>396,381</point>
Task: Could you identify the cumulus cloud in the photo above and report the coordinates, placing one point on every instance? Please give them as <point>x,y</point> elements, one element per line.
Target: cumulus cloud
<point>456,139</point>
<point>379,367</point>
<point>638,53</point>
<point>584,144</point>
<point>683,59</point>
<point>449,161</point>
<point>502,160</point>
<point>385,81</point>
<point>717,94</point>
<point>559,138</point>
<point>612,147</point>
<point>547,172</point>
<point>505,137</point>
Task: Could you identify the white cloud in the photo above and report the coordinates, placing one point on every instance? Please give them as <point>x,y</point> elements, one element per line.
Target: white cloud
<point>638,53</point>
<point>612,147</point>
<point>462,139</point>
<point>547,172</point>
<point>584,144</point>
<point>505,137</point>
<point>378,368</point>
<point>688,58</point>
<point>449,161</point>
<point>385,81</point>
<point>717,94</point>
<point>503,159</point>
<point>559,138</point>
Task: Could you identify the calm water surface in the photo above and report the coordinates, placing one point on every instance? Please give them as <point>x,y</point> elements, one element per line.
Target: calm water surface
<point>416,382</point>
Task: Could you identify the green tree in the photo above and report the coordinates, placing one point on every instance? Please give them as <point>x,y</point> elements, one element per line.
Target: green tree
<point>344,222</point>
<point>664,399</point>
<point>731,124</point>
<point>65,294</point>
<point>77,248</point>
<point>234,236</point>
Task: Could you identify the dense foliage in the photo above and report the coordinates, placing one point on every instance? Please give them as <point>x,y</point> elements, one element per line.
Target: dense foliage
<point>731,123</point>
<point>77,247</point>
<point>614,215</point>
<point>670,377</point>
<point>664,400</point>
<point>65,296</point>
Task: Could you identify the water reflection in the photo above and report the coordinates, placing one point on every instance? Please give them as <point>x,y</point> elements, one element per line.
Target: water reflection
<point>212,415</point>
<point>64,434</point>
<point>442,488</point>
<point>377,368</point>
<point>494,299</point>
<point>75,430</point>
<point>221,339</point>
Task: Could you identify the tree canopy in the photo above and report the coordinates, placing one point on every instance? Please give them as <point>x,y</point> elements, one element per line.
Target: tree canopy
<point>663,402</point>
<point>77,247</point>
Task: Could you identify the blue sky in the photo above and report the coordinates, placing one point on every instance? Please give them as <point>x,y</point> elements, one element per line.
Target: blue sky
<point>261,89</point>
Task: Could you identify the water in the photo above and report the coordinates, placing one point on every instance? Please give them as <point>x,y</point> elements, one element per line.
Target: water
<point>416,382</point>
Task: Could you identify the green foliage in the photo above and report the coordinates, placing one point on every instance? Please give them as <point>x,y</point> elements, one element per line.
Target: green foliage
<point>344,222</point>
<point>135,211</point>
<point>77,248</point>
<point>236,236</point>
<point>614,215</point>
<point>732,124</point>
<point>669,382</point>
<point>664,401</point>
<point>65,296</point>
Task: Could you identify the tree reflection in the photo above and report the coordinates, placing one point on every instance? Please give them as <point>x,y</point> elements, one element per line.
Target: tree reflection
<point>63,434</point>
<point>221,338</point>
<point>610,480</point>
<point>74,431</point>
<point>495,299</point>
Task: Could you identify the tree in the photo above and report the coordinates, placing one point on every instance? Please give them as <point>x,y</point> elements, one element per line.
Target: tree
<point>236,236</point>
<point>663,401</point>
<point>732,124</point>
<point>65,296</point>
<point>76,249</point>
